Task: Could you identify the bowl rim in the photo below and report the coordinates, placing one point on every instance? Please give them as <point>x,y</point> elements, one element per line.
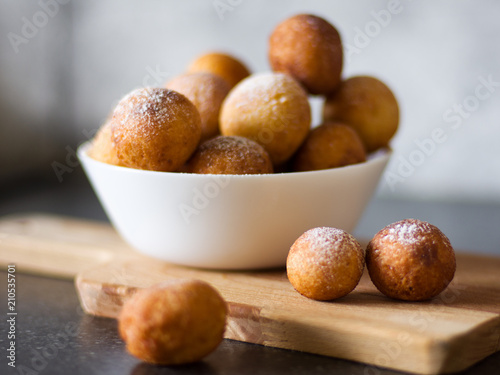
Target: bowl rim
<point>381,155</point>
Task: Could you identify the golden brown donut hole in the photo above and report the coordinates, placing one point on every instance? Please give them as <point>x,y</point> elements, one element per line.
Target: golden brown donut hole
<point>230,155</point>
<point>231,69</point>
<point>369,106</point>
<point>325,263</point>
<point>309,49</point>
<point>272,109</point>
<point>175,322</point>
<point>410,260</point>
<point>329,145</point>
<point>156,129</point>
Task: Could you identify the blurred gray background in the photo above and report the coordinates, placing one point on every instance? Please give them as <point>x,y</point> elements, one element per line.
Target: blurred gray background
<point>65,63</point>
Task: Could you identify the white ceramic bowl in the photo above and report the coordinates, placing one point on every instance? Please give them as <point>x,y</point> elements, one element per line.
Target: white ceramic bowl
<point>229,221</point>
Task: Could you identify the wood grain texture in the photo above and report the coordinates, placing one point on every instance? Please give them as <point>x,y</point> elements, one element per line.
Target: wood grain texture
<point>453,331</point>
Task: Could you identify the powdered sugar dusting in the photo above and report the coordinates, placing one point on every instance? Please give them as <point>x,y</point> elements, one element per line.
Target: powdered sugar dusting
<point>232,155</point>
<point>236,149</point>
<point>142,105</point>
<point>332,245</point>
<point>225,143</point>
<point>145,111</point>
<point>407,232</point>
<point>271,88</point>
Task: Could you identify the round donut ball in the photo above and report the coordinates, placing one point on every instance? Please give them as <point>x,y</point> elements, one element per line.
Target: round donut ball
<point>369,106</point>
<point>410,260</point>
<point>330,145</point>
<point>325,263</point>
<point>156,129</point>
<point>230,155</point>
<point>206,91</point>
<point>102,148</point>
<point>309,49</point>
<point>226,66</point>
<point>270,108</point>
<point>175,322</point>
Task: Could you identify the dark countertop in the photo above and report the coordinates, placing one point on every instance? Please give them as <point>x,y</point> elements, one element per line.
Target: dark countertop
<point>54,336</point>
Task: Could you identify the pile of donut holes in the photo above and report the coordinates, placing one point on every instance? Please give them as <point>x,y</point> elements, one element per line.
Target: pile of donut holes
<point>218,118</point>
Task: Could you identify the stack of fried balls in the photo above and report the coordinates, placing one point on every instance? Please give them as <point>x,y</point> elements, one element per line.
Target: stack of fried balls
<point>218,118</point>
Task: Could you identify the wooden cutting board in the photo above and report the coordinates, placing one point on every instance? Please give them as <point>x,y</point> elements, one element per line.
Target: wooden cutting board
<point>450,333</point>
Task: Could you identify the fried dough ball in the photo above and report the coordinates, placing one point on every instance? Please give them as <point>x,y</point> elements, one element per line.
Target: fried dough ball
<point>325,263</point>
<point>410,260</point>
<point>175,322</point>
<point>155,129</point>
<point>309,49</point>
<point>221,64</point>
<point>102,148</point>
<point>206,91</point>
<point>329,145</point>
<point>230,155</point>
<point>369,106</point>
<point>270,108</point>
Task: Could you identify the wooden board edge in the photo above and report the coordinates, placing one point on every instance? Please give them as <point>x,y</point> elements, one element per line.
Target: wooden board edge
<point>471,347</point>
<point>106,300</point>
<point>255,325</point>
